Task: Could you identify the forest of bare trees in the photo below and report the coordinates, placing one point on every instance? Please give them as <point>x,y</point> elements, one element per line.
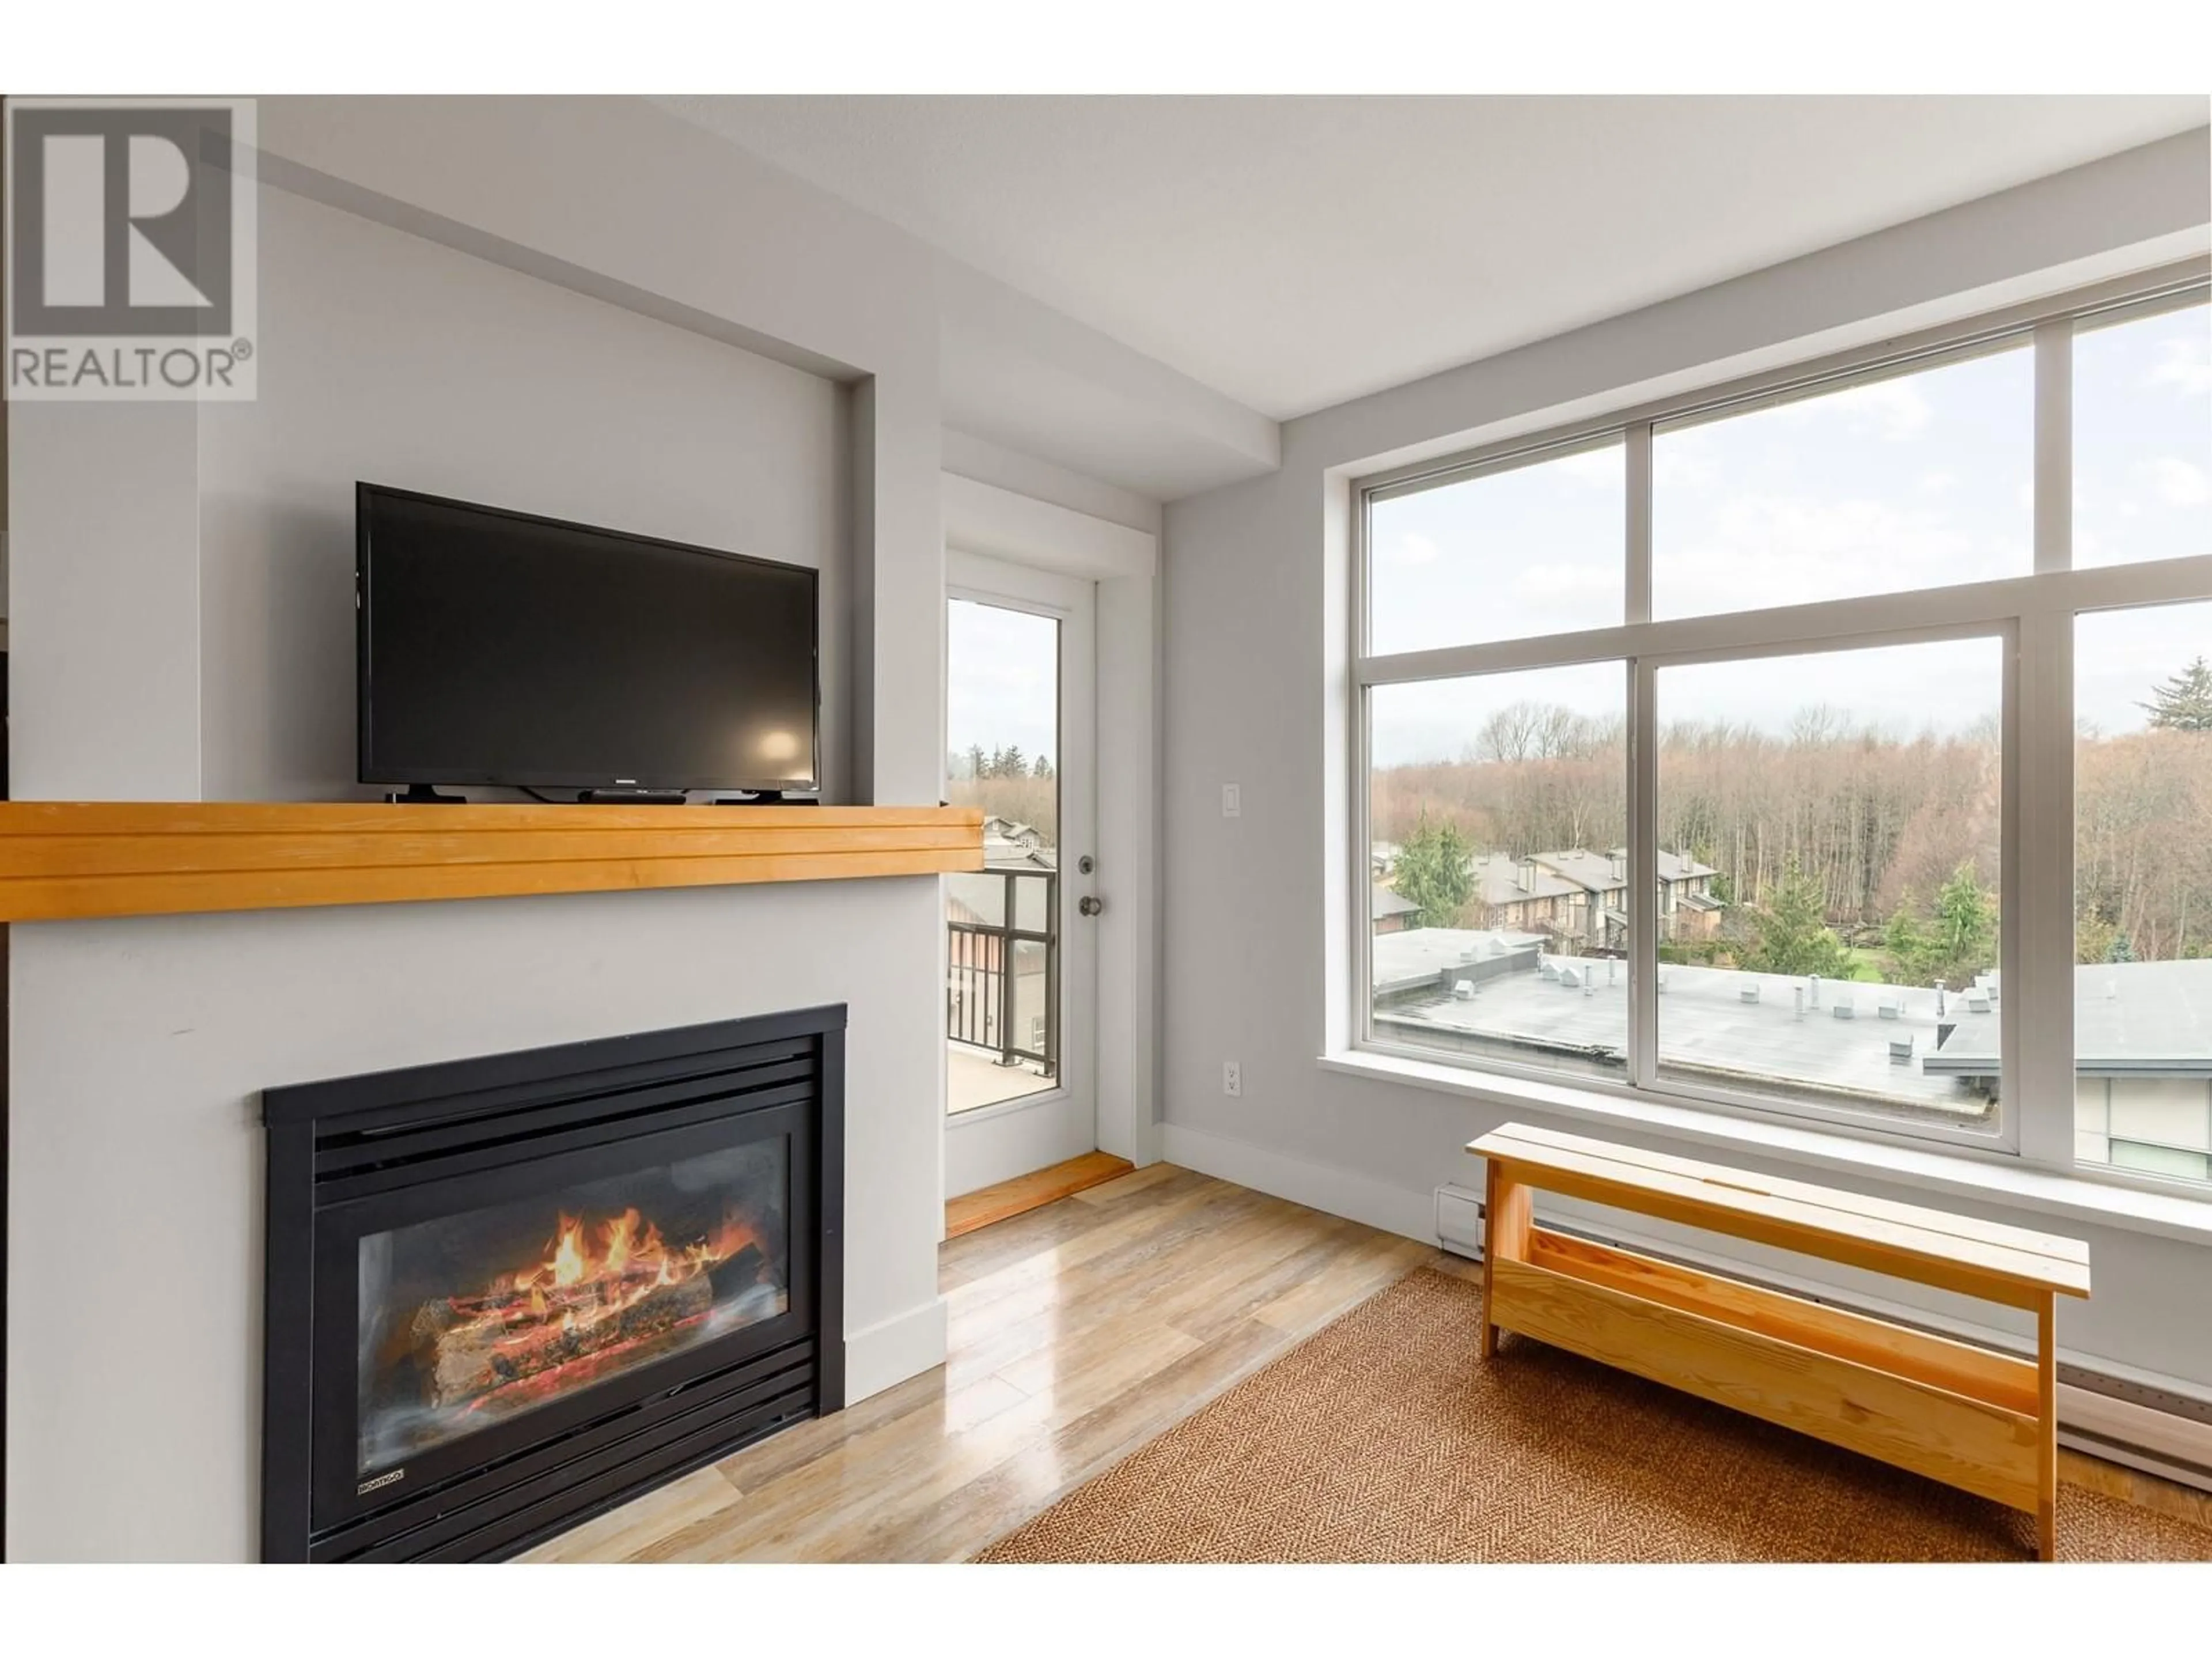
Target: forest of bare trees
<point>2142,845</point>
<point>1878,823</point>
<point>1006,784</point>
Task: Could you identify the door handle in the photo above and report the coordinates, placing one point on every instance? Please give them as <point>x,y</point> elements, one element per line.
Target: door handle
<point>1091,904</point>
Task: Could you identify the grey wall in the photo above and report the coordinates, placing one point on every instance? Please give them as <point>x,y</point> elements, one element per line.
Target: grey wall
<point>617,199</point>
<point>1254,679</point>
<point>135,1207</point>
<point>184,625</point>
<point>392,359</point>
<point>103,601</point>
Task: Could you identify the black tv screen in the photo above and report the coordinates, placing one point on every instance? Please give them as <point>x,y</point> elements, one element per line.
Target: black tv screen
<point>496,648</point>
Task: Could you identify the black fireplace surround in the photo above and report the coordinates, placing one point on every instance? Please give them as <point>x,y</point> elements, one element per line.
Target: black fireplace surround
<point>505,1294</point>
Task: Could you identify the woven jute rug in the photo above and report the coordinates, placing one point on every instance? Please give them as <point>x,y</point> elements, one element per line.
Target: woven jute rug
<point>1386,1437</point>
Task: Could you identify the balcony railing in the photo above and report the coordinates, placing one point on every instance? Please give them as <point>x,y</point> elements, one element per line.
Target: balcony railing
<point>1002,984</point>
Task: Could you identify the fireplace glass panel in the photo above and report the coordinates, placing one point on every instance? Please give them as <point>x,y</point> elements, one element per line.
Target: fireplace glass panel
<point>469,1319</point>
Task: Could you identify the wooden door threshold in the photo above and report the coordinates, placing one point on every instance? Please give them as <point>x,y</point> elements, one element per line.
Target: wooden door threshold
<point>1033,1191</point>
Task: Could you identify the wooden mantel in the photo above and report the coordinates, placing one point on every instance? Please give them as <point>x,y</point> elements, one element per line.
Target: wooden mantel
<point>65,860</point>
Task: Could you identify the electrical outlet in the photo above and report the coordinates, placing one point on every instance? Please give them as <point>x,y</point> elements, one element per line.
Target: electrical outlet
<point>1232,1078</point>
<point>1232,801</point>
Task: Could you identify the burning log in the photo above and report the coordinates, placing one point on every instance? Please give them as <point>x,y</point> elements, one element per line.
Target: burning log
<point>477,1343</point>
<point>598,1290</point>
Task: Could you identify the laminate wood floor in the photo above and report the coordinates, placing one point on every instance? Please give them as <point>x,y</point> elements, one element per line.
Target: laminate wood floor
<point>1079,1331</point>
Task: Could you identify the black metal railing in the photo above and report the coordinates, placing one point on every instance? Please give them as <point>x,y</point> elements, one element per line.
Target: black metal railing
<point>1002,982</point>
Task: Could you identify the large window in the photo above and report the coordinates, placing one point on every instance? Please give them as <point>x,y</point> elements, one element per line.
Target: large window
<point>1722,753</point>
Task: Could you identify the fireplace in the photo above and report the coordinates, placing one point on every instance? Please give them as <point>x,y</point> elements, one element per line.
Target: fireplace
<point>504,1294</point>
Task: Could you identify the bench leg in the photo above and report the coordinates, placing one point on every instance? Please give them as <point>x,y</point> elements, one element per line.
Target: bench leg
<point>2046,1363</point>
<point>1489,1252</point>
<point>1507,1208</point>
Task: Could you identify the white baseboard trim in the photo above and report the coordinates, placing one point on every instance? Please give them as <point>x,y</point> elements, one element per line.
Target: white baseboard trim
<point>2160,1442</point>
<point>1334,1192</point>
<point>892,1349</point>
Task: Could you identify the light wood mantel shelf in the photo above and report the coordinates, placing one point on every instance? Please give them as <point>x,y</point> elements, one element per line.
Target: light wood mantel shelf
<point>61,860</point>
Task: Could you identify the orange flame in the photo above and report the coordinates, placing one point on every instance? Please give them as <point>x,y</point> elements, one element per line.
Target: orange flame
<point>613,1264</point>
<point>568,1262</point>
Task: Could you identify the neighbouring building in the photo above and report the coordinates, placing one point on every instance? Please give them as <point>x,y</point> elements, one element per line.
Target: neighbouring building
<point>2142,1085</point>
<point>1011,845</point>
<point>1392,912</point>
<point>1580,898</point>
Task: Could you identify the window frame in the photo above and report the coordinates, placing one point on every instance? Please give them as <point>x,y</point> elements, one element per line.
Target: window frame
<point>2034,613</point>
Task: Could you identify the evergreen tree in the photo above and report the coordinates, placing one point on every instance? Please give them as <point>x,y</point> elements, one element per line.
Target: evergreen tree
<point>979,763</point>
<point>2183,703</point>
<point>1043,767</point>
<point>1791,935</point>
<point>1011,762</point>
<point>1436,871</point>
<point>1966,933</point>
<point>1956,942</point>
<point>1907,944</point>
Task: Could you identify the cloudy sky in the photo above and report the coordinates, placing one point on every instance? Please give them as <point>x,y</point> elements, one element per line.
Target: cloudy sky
<point>1914,481</point>
<point>1002,680</point>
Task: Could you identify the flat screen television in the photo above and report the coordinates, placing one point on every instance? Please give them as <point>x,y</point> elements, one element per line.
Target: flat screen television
<point>496,648</point>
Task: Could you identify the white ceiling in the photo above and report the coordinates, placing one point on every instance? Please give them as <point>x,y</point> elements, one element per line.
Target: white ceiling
<point>1293,252</point>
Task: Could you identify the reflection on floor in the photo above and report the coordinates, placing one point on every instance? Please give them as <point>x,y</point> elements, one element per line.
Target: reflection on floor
<point>974,1077</point>
<point>1079,1331</point>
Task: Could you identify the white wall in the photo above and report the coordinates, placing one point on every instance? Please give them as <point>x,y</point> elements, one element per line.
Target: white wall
<point>174,578</point>
<point>1254,677</point>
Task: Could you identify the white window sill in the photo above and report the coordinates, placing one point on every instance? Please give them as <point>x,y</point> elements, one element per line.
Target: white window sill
<point>2041,1191</point>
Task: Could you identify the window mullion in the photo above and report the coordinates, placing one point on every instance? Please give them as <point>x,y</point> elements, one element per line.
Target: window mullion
<point>2039,943</point>
<point>2054,448</point>
<point>2038,936</point>
<point>1643,874</point>
<point>1643,774</point>
<point>1638,598</point>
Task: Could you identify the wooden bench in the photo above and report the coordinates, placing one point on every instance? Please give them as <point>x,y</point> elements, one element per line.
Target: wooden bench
<point>1970,1416</point>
